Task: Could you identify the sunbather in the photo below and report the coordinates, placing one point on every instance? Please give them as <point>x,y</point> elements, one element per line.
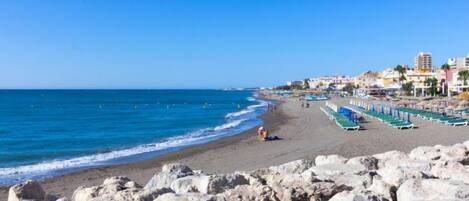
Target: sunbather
<point>263,135</point>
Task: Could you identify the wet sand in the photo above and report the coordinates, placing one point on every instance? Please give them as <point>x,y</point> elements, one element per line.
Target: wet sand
<point>306,133</point>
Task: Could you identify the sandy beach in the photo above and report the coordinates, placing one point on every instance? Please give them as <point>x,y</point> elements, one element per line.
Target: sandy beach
<point>306,133</point>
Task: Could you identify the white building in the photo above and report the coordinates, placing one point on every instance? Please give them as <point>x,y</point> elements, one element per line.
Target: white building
<point>295,83</point>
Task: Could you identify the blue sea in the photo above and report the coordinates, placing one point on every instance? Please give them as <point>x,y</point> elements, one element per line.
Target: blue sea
<point>44,133</point>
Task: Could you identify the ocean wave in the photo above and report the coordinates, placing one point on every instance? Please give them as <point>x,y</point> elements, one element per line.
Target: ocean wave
<point>229,125</point>
<point>249,109</point>
<point>40,170</point>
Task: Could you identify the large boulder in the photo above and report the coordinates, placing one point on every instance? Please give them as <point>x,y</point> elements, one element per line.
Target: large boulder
<point>291,187</point>
<point>30,190</point>
<point>294,167</point>
<point>390,155</point>
<point>454,153</point>
<point>208,184</point>
<point>358,196</point>
<point>169,173</point>
<point>451,170</point>
<point>251,193</point>
<point>396,171</point>
<point>368,162</point>
<point>432,189</point>
<point>351,175</point>
<point>329,159</point>
<point>189,197</point>
<point>425,153</point>
<point>117,189</point>
<point>380,187</point>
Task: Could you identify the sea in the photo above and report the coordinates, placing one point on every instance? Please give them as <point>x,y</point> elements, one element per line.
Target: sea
<point>46,133</point>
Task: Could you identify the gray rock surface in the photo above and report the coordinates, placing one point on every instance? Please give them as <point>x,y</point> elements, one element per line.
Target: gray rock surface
<point>426,173</point>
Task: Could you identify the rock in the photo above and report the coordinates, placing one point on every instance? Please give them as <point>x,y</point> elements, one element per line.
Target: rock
<point>117,189</point>
<point>30,190</point>
<point>379,187</point>
<point>432,189</point>
<point>188,197</point>
<point>306,191</point>
<point>355,176</point>
<point>150,195</point>
<point>451,170</point>
<point>191,184</point>
<point>455,153</point>
<point>219,184</point>
<point>368,162</point>
<point>301,187</point>
<point>294,167</point>
<point>396,171</point>
<point>425,153</point>
<point>212,184</point>
<point>329,159</point>
<point>360,196</point>
<point>169,173</point>
<point>386,156</point>
<point>251,193</point>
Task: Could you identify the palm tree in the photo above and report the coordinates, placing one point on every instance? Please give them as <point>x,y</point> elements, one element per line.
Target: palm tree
<point>446,68</point>
<point>463,75</point>
<point>432,82</point>
<point>401,70</point>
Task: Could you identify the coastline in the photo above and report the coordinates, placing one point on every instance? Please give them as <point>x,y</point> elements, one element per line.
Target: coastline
<point>65,184</point>
<point>306,133</point>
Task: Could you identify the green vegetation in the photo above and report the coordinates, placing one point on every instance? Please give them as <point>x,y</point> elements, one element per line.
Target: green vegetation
<point>408,88</point>
<point>446,68</point>
<point>463,75</point>
<point>349,87</point>
<point>433,83</point>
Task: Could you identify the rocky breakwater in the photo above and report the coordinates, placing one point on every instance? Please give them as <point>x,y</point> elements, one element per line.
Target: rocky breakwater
<point>426,173</point>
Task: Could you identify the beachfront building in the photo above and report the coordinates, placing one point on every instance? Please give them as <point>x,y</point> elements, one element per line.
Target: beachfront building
<point>389,78</point>
<point>423,61</point>
<point>451,76</point>
<point>323,82</point>
<point>367,79</point>
<point>295,83</point>
<point>418,77</point>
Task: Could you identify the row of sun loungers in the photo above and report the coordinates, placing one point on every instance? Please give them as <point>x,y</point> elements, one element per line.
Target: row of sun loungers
<point>385,118</point>
<point>340,119</point>
<point>435,116</point>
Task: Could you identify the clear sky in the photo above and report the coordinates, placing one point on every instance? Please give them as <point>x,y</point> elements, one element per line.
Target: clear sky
<point>219,43</point>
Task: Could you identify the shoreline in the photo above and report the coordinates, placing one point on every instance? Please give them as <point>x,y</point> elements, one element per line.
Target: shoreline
<point>305,132</point>
<point>65,184</point>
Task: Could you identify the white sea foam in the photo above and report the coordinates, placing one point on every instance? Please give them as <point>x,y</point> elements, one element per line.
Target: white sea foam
<point>229,125</point>
<point>15,174</point>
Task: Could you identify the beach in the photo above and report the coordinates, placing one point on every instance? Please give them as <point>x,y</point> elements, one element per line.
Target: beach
<point>305,133</point>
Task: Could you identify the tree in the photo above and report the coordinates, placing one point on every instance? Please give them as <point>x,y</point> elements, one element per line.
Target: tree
<point>432,82</point>
<point>463,75</point>
<point>446,68</point>
<point>401,70</point>
<point>349,87</point>
<point>306,84</point>
<point>408,87</point>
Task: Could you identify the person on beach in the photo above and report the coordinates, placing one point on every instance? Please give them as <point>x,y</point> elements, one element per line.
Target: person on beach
<point>263,134</point>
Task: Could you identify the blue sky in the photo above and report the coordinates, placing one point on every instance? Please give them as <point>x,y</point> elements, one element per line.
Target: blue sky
<point>217,44</point>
